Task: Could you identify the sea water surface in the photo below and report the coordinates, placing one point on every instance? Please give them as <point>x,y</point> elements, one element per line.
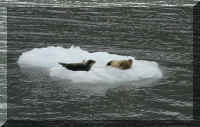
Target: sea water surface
<point>3,83</point>
<point>98,3</point>
<point>159,34</point>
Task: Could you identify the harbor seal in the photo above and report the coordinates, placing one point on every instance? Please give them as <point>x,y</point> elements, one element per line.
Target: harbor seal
<point>83,66</point>
<point>121,64</point>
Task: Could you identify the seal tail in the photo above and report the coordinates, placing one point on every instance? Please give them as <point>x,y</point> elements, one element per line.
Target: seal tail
<point>64,65</point>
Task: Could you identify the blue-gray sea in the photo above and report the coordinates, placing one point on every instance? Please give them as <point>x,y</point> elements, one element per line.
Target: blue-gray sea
<point>156,30</point>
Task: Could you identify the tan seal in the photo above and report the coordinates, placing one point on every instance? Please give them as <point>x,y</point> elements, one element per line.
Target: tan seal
<point>121,64</point>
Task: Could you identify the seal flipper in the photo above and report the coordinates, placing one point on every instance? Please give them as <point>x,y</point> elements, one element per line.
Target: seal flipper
<point>64,65</point>
<point>72,67</point>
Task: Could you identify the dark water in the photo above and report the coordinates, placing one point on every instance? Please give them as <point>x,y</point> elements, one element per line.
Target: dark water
<point>97,3</point>
<point>160,34</point>
<point>3,85</point>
